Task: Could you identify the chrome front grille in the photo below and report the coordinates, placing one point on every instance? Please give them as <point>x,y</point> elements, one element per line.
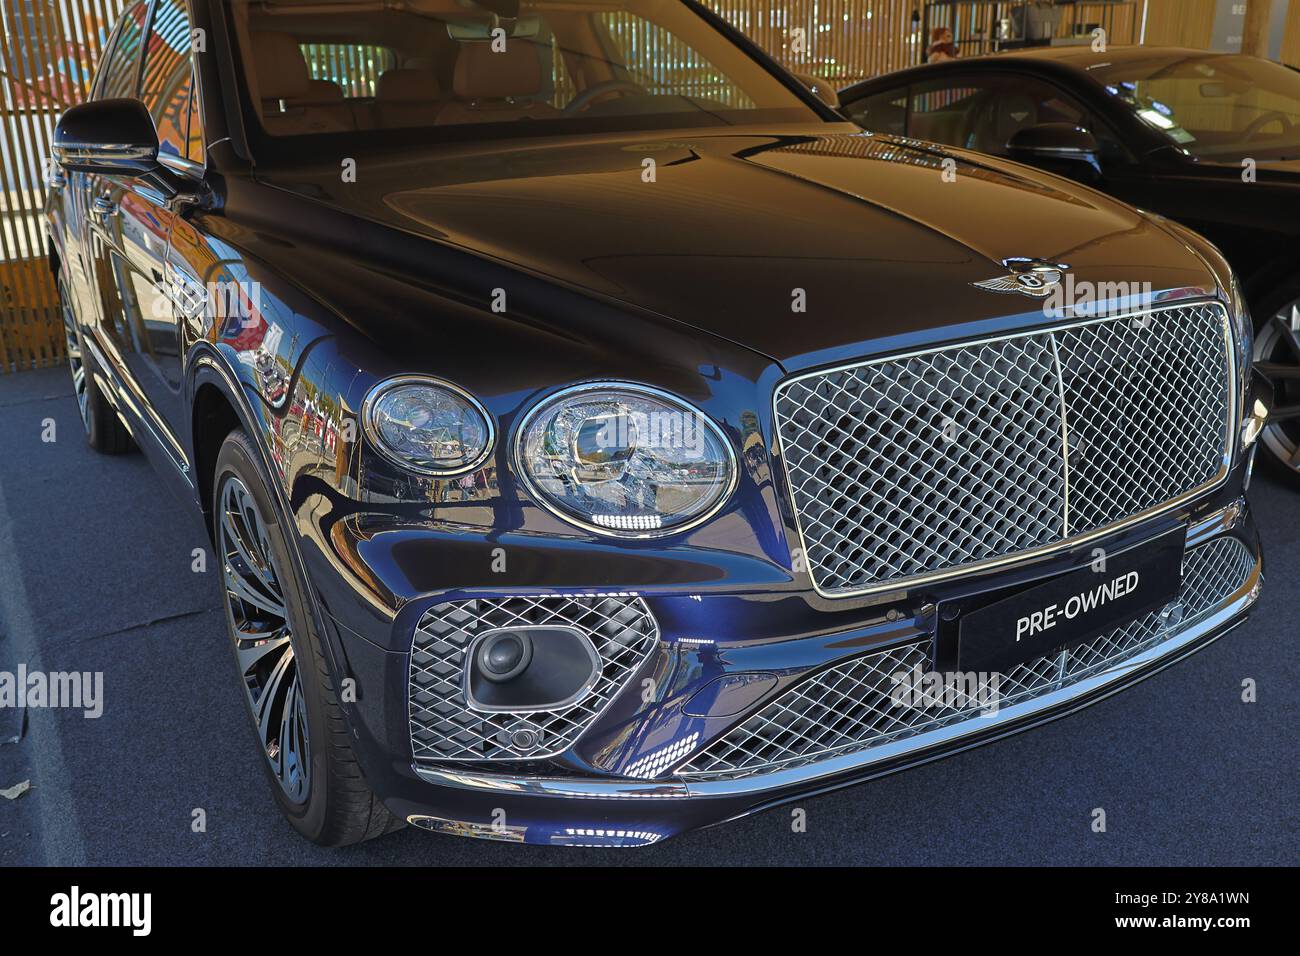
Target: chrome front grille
<point>443,725</point>
<point>919,466</point>
<point>850,707</point>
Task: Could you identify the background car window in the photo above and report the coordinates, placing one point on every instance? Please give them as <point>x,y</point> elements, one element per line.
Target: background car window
<point>122,68</point>
<point>354,68</point>
<point>983,112</point>
<point>942,111</point>
<point>882,112</point>
<point>168,67</point>
<point>1215,107</point>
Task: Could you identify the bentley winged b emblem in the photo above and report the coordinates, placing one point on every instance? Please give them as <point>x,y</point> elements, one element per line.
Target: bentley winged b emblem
<point>1032,277</point>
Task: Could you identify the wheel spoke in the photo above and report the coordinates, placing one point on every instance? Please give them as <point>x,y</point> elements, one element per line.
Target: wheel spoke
<point>238,586</point>
<point>254,563</point>
<point>263,639</point>
<point>1277,371</point>
<point>253,651</point>
<point>1284,413</point>
<point>1285,323</point>
<point>271,701</point>
<point>291,753</point>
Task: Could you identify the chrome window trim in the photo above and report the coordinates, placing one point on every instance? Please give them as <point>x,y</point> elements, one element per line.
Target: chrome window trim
<point>183,167</point>
<point>976,567</point>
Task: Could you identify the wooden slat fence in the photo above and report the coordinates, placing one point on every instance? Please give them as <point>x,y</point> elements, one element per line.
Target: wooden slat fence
<point>49,47</point>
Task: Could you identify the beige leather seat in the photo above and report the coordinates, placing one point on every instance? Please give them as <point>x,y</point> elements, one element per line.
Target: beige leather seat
<point>496,87</point>
<point>292,103</point>
<point>407,97</point>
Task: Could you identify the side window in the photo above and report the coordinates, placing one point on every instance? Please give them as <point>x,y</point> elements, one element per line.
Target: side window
<point>944,110</point>
<point>353,67</point>
<point>120,72</point>
<point>167,71</point>
<point>881,112</point>
<point>983,112</point>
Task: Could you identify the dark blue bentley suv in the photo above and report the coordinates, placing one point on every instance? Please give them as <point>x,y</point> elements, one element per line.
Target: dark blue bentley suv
<point>599,437</point>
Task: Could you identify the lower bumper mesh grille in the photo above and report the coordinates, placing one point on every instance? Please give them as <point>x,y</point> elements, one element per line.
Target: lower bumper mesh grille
<point>850,707</point>
<point>445,728</point>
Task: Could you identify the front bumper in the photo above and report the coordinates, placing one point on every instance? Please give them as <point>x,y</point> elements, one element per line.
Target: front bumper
<point>628,778</point>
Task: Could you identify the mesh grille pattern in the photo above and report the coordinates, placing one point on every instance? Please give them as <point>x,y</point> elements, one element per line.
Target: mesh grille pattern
<point>443,727</point>
<point>902,468</point>
<point>849,707</point>
<point>1146,405</point>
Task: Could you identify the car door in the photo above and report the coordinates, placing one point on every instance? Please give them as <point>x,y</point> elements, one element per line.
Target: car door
<point>130,224</point>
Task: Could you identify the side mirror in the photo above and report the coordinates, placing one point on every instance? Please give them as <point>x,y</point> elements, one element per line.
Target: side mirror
<point>820,89</point>
<point>1059,148</point>
<point>107,137</point>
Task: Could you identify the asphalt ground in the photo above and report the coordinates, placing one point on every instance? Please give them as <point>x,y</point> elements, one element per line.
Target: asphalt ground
<point>96,575</point>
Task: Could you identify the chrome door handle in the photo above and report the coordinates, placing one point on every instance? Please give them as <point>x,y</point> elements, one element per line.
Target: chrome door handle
<point>103,207</point>
<point>56,180</point>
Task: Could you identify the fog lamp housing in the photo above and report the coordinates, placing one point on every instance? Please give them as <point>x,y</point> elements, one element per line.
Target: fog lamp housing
<point>529,669</point>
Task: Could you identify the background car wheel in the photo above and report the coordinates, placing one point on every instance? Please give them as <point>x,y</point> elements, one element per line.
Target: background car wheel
<point>104,430</point>
<point>1277,356</point>
<point>301,729</point>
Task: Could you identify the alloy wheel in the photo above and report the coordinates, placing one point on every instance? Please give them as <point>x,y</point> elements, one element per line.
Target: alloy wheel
<point>263,639</point>
<point>75,360</point>
<point>1277,358</point>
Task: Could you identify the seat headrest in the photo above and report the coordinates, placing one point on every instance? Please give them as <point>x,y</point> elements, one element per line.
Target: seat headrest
<point>324,91</point>
<point>484,75</point>
<point>407,86</point>
<point>281,70</point>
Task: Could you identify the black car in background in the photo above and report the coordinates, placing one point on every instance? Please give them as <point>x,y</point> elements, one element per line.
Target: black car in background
<point>1209,140</point>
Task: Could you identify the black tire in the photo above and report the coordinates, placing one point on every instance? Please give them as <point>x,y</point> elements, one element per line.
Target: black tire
<point>104,429</point>
<point>1274,312</point>
<point>336,806</point>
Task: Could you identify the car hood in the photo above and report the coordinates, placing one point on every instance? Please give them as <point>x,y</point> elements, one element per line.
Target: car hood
<point>801,245</point>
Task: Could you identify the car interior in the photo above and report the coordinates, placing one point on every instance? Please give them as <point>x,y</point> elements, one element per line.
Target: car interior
<point>979,113</point>
<point>321,68</point>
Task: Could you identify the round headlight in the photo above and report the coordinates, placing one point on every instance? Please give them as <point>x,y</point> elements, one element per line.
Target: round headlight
<point>625,460</point>
<point>427,425</point>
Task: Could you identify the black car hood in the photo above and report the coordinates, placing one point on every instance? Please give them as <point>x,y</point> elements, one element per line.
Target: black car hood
<point>884,237</point>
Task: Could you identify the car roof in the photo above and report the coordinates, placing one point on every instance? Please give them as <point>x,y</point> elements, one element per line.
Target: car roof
<point>1075,58</point>
<point>1083,57</point>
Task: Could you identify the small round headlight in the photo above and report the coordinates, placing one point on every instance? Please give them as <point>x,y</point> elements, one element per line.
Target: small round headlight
<point>625,460</point>
<point>427,425</point>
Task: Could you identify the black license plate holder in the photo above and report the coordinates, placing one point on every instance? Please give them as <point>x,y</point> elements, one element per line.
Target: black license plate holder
<point>1072,608</point>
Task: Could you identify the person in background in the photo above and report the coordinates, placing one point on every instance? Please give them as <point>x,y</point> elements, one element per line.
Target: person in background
<point>941,46</point>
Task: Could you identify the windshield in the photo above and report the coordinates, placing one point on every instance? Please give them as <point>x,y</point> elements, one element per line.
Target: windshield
<point>1216,107</point>
<point>457,69</point>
